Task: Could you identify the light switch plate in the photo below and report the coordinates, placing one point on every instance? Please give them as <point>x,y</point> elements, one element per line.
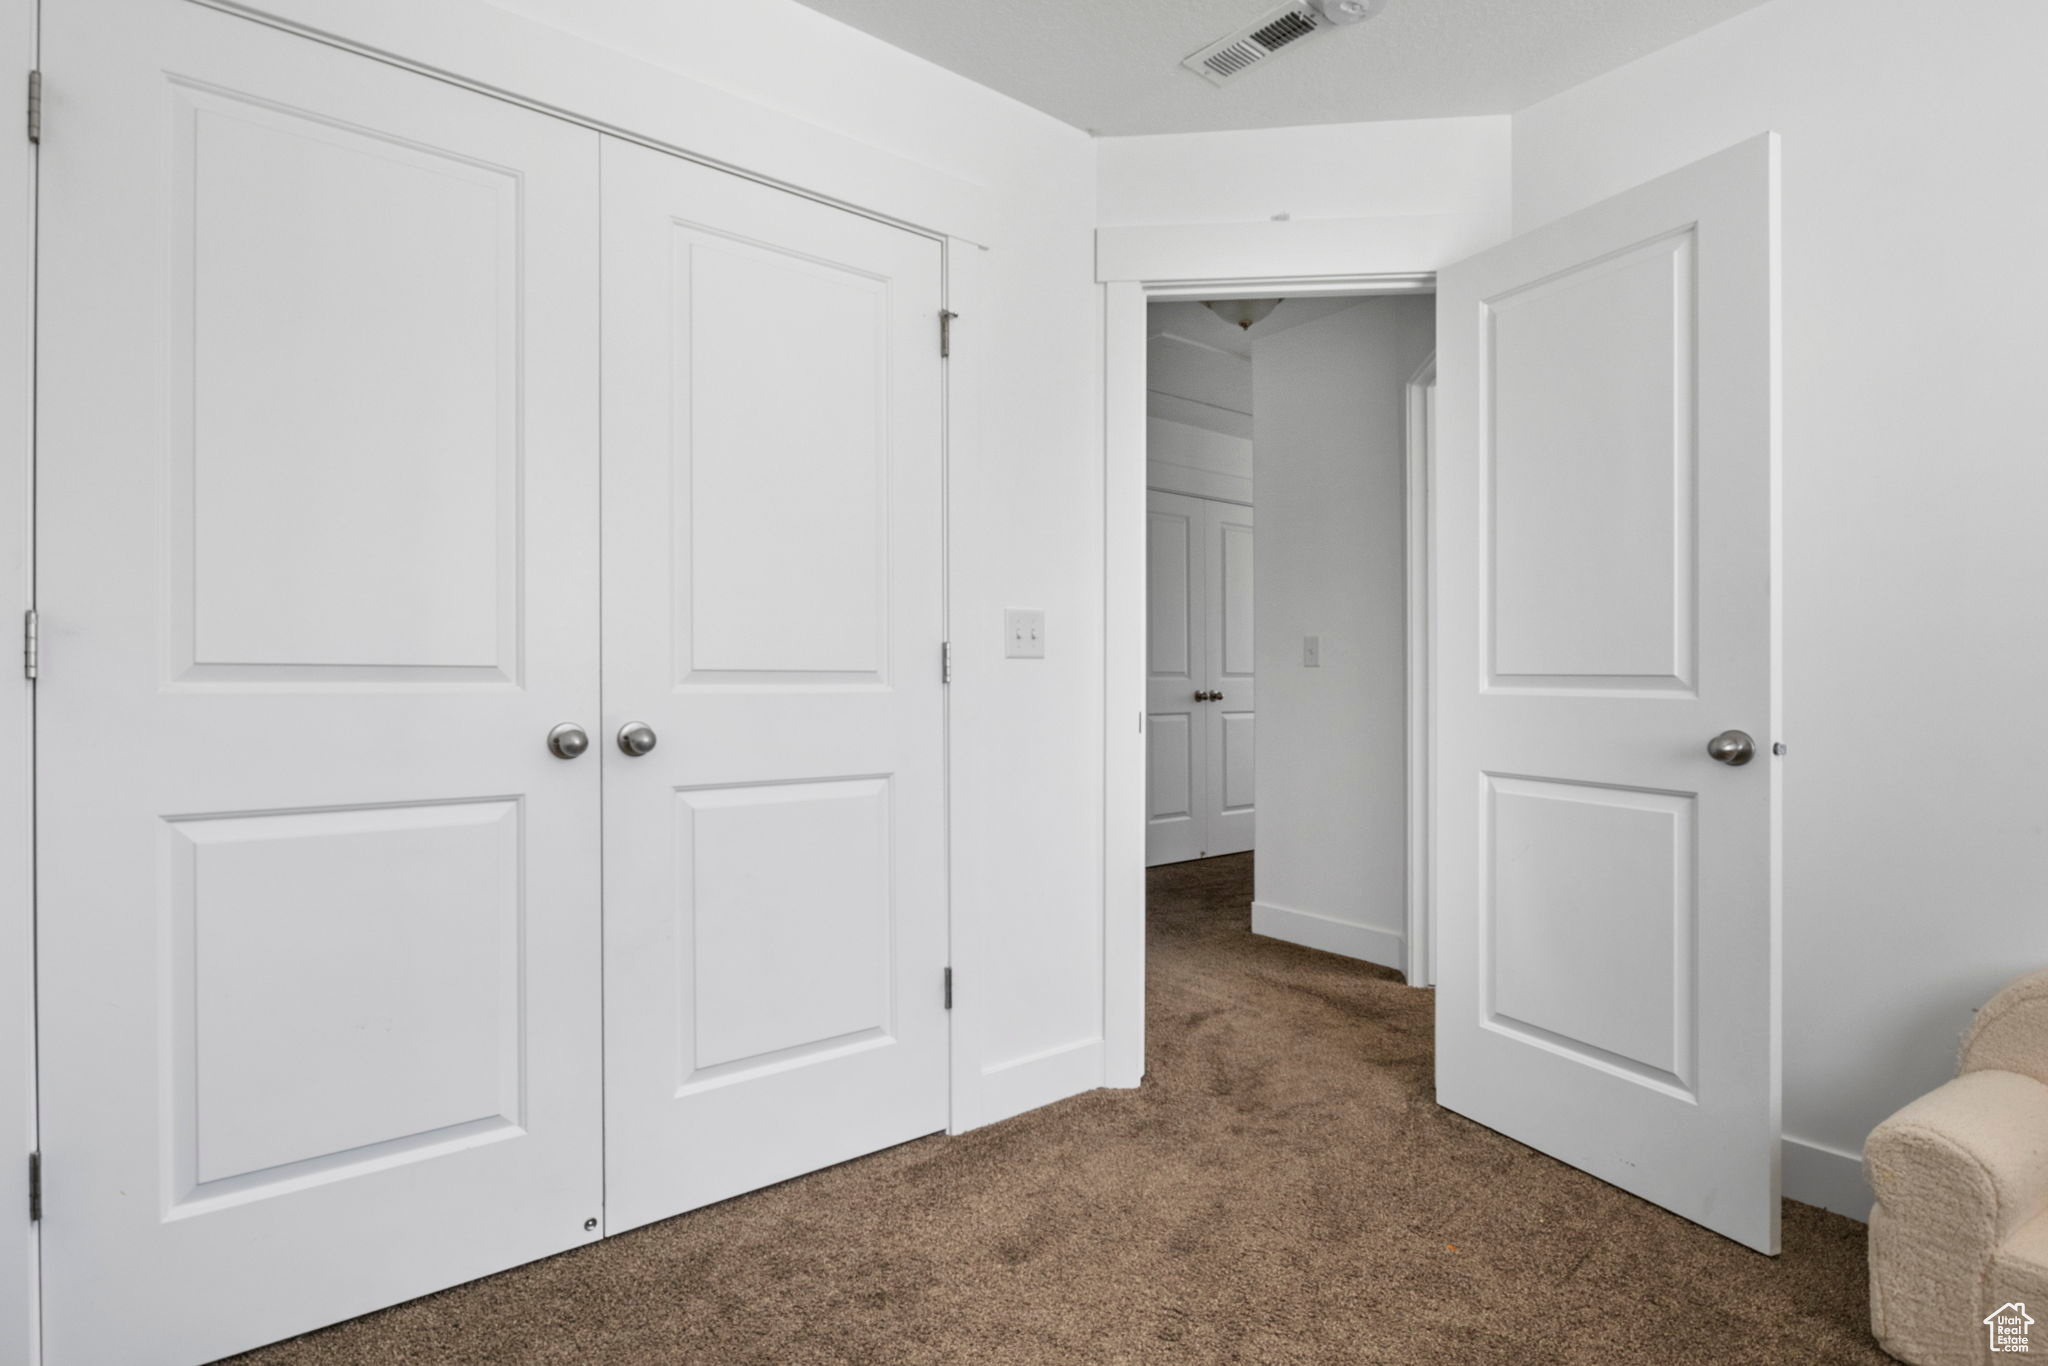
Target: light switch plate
<point>1311,652</point>
<point>1023,633</point>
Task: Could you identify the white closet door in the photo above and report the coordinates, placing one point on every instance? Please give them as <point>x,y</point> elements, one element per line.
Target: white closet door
<point>1607,572</point>
<point>1176,679</point>
<point>1232,705</point>
<point>319,944</point>
<point>775,913</point>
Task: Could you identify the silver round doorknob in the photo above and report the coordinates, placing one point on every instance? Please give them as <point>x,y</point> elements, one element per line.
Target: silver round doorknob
<point>568,740</point>
<point>1201,697</point>
<point>636,738</point>
<point>1732,747</point>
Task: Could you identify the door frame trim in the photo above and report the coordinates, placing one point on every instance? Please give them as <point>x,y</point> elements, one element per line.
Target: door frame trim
<point>1124,610</point>
<point>961,288</point>
<point>1419,953</point>
<point>20,1264</point>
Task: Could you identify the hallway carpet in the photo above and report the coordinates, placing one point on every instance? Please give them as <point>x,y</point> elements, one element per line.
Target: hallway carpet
<point>1281,1190</point>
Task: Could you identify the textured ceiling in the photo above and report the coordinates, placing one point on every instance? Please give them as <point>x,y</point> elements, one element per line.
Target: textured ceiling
<point>1113,66</point>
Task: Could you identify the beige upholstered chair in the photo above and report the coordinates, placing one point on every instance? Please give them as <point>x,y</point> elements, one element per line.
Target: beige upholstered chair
<point>1961,1175</point>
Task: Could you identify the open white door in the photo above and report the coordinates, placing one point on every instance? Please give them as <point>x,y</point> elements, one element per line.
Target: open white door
<point>775,865</point>
<point>318,492</point>
<point>1607,589</point>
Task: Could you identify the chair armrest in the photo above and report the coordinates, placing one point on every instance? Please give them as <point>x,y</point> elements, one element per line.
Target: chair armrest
<point>1955,1173</point>
<point>1970,1157</point>
<point>2010,1034</point>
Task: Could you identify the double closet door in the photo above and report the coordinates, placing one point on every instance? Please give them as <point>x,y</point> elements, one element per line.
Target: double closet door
<point>489,778</point>
<point>1200,701</point>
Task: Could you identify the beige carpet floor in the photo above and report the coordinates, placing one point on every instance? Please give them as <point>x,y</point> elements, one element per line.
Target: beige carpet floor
<point>1281,1190</point>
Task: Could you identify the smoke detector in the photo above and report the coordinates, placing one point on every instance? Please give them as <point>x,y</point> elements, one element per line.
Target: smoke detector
<point>1341,12</point>
<point>1234,54</point>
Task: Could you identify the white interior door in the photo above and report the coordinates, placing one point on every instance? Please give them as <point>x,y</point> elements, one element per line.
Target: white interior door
<point>1176,679</point>
<point>1199,698</point>
<point>1608,893</point>
<point>1232,705</point>
<point>319,948</point>
<point>775,912</point>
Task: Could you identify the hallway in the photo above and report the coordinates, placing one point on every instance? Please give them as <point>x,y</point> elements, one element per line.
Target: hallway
<point>1282,1190</point>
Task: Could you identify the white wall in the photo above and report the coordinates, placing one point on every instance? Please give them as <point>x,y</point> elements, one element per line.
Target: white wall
<point>1349,170</point>
<point>1362,198</point>
<point>1329,446</point>
<point>1915,475</point>
<point>1194,372</point>
<point>1181,458</point>
<point>1198,405</point>
<point>794,60</point>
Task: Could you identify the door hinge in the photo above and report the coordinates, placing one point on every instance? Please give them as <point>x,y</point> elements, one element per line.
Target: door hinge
<point>35,1188</point>
<point>946,316</point>
<point>35,106</point>
<point>949,988</point>
<point>31,646</point>
<point>946,661</point>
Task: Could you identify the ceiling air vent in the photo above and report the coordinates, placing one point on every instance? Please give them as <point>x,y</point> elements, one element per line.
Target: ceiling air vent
<point>1230,57</point>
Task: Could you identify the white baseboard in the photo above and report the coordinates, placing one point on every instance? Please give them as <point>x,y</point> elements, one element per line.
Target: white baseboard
<point>1011,1088</point>
<point>1310,930</point>
<point>1828,1177</point>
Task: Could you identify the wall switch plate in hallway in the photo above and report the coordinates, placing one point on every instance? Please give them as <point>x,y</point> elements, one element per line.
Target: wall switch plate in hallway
<point>1311,652</point>
<point>1023,633</point>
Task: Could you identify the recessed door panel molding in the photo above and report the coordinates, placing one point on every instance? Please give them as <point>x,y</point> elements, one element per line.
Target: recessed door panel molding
<point>1170,786</point>
<point>1238,762</point>
<point>1590,504</point>
<point>318,533</point>
<point>307,1037</point>
<point>1172,628</point>
<point>823,923</point>
<point>1585,887</point>
<point>1234,657</point>
<point>775,913</point>
<point>782,505</point>
<point>320,1019</point>
<point>1606,884</point>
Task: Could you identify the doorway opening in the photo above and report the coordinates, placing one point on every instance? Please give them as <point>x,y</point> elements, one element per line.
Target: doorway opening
<point>1310,306</point>
<point>1286,705</point>
<point>1603,540</point>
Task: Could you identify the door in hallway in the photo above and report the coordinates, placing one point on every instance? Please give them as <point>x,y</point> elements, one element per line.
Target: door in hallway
<point>1607,691</point>
<point>318,498</point>
<point>1200,699</point>
<point>775,916</point>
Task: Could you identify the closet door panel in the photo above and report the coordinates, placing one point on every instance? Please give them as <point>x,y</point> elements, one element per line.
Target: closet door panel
<point>317,491</point>
<point>775,914</point>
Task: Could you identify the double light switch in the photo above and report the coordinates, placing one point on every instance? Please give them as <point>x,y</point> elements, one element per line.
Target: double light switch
<point>1023,633</point>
